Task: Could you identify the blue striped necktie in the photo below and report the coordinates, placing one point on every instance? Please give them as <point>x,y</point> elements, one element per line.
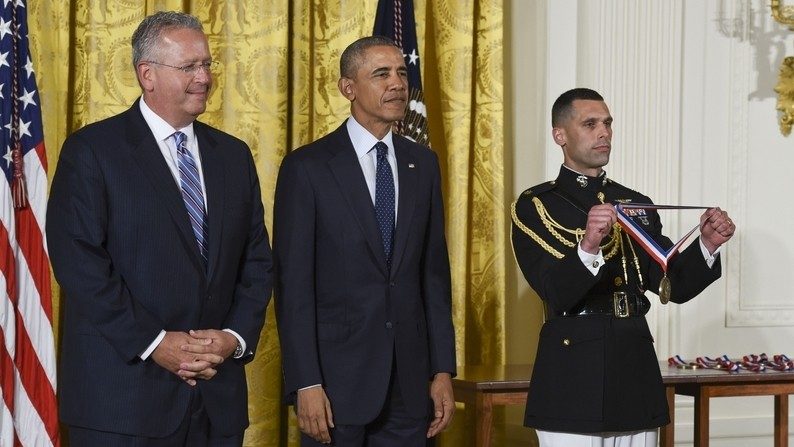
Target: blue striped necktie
<point>190,183</point>
<point>384,199</point>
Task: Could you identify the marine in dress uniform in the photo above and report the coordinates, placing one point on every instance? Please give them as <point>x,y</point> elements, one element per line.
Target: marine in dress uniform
<point>596,371</point>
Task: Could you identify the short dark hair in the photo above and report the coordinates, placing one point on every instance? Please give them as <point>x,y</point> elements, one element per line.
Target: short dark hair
<point>564,104</point>
<point>145,37</point>
<point>351,57</point>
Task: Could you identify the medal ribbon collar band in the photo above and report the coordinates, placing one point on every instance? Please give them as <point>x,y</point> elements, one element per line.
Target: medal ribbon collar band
<point>659,254</point>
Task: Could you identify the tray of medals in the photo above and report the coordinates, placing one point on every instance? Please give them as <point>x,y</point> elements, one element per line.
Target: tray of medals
<point>750,362</point>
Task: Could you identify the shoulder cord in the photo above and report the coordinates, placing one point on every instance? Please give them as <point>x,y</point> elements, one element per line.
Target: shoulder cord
<point>551,250</point>
<point>610,248</point>
<point>613,245</point>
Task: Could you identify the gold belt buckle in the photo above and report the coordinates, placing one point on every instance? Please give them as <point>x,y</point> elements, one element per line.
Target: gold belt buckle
<point>621,304</point>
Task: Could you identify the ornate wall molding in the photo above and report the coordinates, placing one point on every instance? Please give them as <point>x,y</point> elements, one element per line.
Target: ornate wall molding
<point>744,308</point>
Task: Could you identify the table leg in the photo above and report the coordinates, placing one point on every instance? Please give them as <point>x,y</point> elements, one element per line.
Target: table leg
<point>484,414</point>
<point>667,432</point>
<point>781,420</point>
<point>702,417</point>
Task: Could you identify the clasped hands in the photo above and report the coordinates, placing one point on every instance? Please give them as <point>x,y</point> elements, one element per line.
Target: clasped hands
<point>195,354</point>
<point>716,227</point>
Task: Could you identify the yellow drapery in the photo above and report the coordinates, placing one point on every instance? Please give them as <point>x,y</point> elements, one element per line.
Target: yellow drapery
<point>276,89</point>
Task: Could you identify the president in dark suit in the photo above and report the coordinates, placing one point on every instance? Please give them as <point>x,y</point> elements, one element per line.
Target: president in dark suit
<point>363,284</point>
<point>156,234</point>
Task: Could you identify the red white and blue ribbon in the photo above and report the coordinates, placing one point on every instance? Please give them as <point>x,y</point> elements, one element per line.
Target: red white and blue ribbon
<point>779,362</point>
<point>633,229</point>
<point>750,362</point>
<point>722,362</point>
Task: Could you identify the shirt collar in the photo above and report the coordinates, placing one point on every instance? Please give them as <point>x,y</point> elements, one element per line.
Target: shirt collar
<point>160,128</point>
<point>363,141</point>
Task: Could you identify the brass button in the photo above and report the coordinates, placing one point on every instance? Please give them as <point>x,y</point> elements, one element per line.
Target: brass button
<point>618,281</point>
<point>566,342</point>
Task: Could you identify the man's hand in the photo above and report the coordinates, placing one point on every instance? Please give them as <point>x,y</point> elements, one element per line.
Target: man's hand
<point>716,228</point>
<point>443,403</point>
<point>599,223</point>
<point>314,414</point>
<point>212,341</point>
<point>208,348</point>
<point>170,355</point>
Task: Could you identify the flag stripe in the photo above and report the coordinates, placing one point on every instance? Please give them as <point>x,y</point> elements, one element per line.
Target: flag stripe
<point>6,419</point>
<point>7,335</point>
<point>36,176</point>
<point>28,416</point>
<point>32,248</point>
<point>38,390</point>
<point>30,427</point>
<point>36,382</point>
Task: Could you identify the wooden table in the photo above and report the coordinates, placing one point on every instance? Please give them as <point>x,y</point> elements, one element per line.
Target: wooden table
<point>704,384</point>
<point>482,387</point>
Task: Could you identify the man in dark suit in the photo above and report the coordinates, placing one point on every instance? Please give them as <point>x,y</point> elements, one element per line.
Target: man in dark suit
<point>596,379</point>
<point>363,303</point>
<point>156,234</point>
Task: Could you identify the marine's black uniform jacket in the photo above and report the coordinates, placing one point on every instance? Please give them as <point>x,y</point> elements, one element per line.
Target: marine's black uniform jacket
<point>595,372</point>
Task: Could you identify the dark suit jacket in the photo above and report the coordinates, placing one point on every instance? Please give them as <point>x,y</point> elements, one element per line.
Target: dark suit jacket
<point>595,373</point>
<point>123,251</point>
<point>343,318</point>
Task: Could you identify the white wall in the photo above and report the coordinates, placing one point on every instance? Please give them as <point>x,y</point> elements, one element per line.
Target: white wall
<point>690,84</point>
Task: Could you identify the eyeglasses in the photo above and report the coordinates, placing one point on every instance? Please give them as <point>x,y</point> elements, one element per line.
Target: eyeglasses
<point>192,69</point>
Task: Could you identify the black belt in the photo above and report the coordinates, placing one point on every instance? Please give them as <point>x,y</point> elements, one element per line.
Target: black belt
<point>618,304</point>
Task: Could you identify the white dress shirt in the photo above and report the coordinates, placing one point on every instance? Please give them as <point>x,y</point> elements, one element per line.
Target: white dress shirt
<point>364,143</point>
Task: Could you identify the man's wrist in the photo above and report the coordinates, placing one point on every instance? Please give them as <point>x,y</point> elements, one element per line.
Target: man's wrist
<point>239,350</point>
<point>152,346</point>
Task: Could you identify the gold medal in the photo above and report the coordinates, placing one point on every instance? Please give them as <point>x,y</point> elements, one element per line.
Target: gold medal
<point>664,289</point>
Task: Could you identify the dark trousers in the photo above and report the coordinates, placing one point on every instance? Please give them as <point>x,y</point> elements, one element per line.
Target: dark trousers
<point>393,427</point>
<point>194,431</point>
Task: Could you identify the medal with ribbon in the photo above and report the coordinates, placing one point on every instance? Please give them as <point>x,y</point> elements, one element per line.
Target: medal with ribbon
<point>654,250</point>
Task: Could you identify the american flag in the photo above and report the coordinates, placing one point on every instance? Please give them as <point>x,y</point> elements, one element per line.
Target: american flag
<point>28,409</point>
<point>395,19</point>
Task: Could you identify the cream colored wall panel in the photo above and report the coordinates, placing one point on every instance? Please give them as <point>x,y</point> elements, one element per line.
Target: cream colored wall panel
<point>561,62</point>
<point>758,183</point>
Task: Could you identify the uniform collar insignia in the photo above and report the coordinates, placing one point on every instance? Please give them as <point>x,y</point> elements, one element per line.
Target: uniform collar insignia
<point>584,181</point>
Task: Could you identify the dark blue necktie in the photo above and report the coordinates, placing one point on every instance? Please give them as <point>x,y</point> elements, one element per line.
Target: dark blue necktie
<point>384,199</point>
<point>190,183</point>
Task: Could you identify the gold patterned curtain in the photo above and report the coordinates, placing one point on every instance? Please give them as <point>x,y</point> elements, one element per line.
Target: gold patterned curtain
<point>276,89</point>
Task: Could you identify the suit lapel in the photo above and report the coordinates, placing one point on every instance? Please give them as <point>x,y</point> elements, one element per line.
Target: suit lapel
<point>154,168</point>
<point>407,174</point>
<point>346,169</point>
<point>214,181</point>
